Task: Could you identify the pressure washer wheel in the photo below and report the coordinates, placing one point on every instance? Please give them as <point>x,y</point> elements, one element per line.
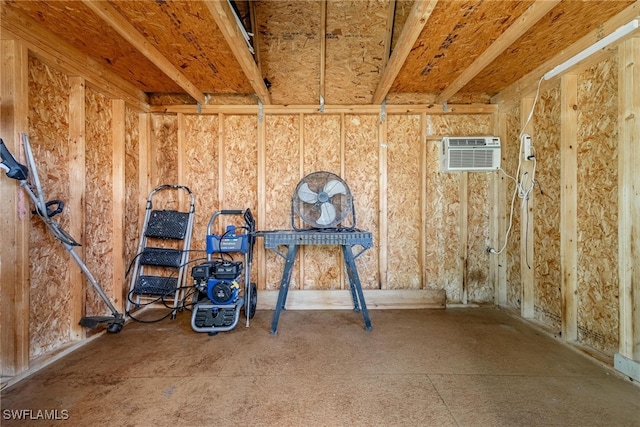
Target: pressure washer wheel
<point>253,303</point>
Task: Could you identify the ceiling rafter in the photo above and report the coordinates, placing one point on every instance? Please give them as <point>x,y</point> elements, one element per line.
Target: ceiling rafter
<point>52,49</point>
<point>225,19</point>
<point>533,14</point>
<point>418,17</point>
<point>527,83</point>
<point>108,14</point>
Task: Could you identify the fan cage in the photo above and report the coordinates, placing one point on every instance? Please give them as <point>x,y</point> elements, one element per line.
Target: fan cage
<point>310,213</point>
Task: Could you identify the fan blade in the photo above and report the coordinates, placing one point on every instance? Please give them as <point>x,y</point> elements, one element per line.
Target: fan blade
<point>328,214</point>
<point>334,187</point>
<point>306,195</point>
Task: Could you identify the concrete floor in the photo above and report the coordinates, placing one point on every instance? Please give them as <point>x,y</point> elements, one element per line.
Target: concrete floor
<point>454,367</point>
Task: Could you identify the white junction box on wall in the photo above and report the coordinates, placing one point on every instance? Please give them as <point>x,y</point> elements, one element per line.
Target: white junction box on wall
<point>470,153</point>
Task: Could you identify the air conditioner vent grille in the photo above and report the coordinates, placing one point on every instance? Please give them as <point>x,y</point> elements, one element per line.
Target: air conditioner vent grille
<point>459,159</point>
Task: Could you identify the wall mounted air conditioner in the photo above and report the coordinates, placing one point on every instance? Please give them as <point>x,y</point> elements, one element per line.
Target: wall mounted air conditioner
<point>470,153</point>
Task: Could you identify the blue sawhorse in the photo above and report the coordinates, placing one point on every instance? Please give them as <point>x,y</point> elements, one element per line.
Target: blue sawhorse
<point>295,238</point>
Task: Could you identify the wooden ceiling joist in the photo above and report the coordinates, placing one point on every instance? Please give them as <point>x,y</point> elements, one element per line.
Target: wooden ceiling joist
<point>116,21</point>
<point>533,14</point>
<point>225,19</point>
<point>527,84</point>
<point>420,13</point>
<point>52,49</point>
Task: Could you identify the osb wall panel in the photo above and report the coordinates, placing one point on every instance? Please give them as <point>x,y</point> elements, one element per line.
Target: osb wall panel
<point>442,224</point>
<point>240,169</point>
<point>49,136</point>
<point>164,158</point>
<point>241,158</point>
<point>322,264</point>
<point>510,153</point>
<point>282,165</point>
<point>289,45</point>
<point>201,173</point>
<point>598,207</point>
<point>361,174</point>
<point>478,287</point>
<point>355,50</point>
<point>403,202</point>
<point>99,230</point>
<point>133,210</point>
<point>548,277</point>
<point>443,215</point>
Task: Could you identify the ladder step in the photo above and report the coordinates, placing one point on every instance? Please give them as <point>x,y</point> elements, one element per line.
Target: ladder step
<point>156,285</point>
<point>167,224</point>
<point>162,257</point>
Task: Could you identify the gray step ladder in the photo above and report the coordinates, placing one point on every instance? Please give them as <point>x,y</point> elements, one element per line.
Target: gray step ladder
<point>160,270</point>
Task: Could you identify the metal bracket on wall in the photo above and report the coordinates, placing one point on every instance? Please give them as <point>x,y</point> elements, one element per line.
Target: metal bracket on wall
<point>383,111</point>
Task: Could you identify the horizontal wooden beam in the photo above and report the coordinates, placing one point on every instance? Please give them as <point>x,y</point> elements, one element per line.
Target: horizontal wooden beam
<point>434,109</point>
<point>123,27</point>
<point>418,17</point>
<point>341,299</point>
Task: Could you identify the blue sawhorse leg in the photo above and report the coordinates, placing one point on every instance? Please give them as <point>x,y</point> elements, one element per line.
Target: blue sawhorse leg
<point>284,286</point>
<point>354,284</point>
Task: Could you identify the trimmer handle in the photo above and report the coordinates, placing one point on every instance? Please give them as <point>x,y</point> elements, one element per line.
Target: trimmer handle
<point>13,169</point>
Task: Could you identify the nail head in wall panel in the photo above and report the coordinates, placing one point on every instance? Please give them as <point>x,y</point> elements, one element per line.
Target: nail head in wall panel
<point>628,198</point>
<point>75,202</point>
<point>322,264</point>
<point>569,205</point>
<point>282,174</point>
<point>14,229</point>
<point>598,282</point>
<point>361,172</point>
<point>49,304</point>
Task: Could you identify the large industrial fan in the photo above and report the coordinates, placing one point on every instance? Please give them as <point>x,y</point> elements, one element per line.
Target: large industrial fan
<point>323,200</point>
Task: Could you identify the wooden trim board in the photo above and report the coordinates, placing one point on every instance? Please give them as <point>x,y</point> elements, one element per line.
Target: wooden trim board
<point>341,299</point>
